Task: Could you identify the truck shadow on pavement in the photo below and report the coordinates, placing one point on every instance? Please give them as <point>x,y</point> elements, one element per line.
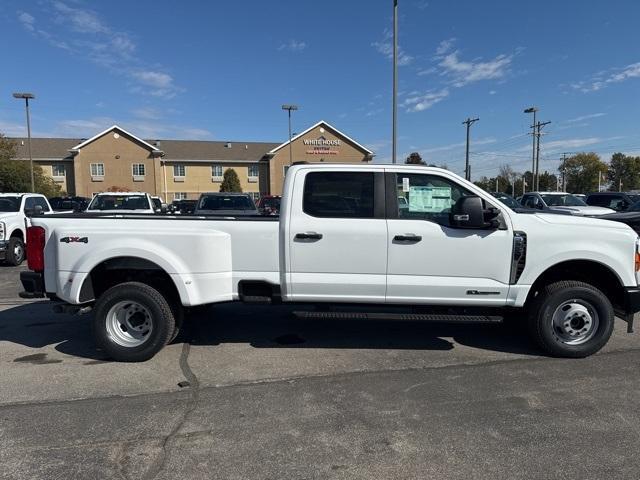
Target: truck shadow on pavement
<point>35,326</point>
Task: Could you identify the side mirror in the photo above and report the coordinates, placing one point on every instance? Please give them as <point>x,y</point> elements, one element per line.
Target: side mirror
<point>469,212</point>
<point>30,212</point>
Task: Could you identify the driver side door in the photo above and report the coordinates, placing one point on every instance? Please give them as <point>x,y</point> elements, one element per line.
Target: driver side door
<point>429,261</point>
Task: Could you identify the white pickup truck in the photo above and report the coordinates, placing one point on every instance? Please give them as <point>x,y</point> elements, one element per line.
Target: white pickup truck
<point>12,223</point>
<point>421,239</point>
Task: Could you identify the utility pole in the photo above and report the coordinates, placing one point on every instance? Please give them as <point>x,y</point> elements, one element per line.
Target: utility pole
<point>564,171</point>
<point>394,121</point>
<point>539,126</point>
<point>290,108</point>
<point>533,110</point>
<point>467,170</point>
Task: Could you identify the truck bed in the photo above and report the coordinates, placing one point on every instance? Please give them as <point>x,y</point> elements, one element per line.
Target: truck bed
<point>209,254</point>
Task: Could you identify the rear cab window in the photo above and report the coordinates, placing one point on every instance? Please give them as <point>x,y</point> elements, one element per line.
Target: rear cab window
<point>339,194</point>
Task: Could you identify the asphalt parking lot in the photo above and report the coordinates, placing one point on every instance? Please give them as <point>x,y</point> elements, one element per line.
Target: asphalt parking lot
<point>254,392</point>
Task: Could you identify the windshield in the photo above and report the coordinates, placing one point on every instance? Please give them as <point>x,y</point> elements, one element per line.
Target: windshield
<point>119,202</point>
<point>508,200</point>
<point>566,200</point>
<point>226,202</point>
<point>9,204</point>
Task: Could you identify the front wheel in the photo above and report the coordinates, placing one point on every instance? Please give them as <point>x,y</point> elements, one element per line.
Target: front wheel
<point>571,319</point>
<point>132,322</point>
<point>15,251</point>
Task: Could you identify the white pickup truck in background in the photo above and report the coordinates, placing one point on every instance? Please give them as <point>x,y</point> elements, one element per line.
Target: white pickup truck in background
<point>121,202</point>
<point>421,239</point>
<point>12,223</point>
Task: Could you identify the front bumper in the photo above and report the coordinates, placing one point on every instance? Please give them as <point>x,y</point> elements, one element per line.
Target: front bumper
<point>4,245</point>
<point>631,305</point>
<point>33,284</point>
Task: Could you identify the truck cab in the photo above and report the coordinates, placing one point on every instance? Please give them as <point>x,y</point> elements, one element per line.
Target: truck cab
<point>12,223</point>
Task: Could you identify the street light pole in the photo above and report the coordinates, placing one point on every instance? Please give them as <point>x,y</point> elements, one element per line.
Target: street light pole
<point>394,121</point>
<point>289,108</point>
<point>26,97</point>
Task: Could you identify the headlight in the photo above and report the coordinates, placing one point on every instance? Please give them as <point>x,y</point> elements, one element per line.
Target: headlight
<point>2,230</point>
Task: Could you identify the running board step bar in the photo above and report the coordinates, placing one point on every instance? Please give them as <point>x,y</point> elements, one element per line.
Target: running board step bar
<point>436,317</point>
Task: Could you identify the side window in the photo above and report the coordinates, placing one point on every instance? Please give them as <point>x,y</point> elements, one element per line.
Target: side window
<point>339,194</point>
<point>530,201</point>
<point>427,197</point>
<point>29,203</point>
<point>42,202</point>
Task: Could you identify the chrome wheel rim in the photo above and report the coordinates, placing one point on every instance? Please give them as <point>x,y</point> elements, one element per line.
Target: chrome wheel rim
<point>575,322</point>
<point>129,324</point>
<point>18,252</point>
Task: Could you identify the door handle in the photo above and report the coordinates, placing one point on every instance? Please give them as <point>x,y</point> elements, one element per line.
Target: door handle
<point>408,237</point>
<point>308,236</point>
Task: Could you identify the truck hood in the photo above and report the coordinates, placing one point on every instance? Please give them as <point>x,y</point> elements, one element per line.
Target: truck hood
<point>585,210</point>
<point>8,215</point>
<point>580,221</point>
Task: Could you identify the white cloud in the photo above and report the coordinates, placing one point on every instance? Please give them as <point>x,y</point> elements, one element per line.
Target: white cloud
<point>462,73</point>
<point>492,92</point>
<point>82,33</point>
<point>585,117</point>
<point>445,46</point>
<point>293,46</point>
<point>385,47</point>
<point>143,128</point>
<point>605,78</point>
<point>81,20</point>
<point>418,103</point>
<point>27,20</point>
<point>570,143</point>
<point>422,4</point>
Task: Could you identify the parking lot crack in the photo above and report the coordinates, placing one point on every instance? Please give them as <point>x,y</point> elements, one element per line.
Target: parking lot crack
<point>192,403</point>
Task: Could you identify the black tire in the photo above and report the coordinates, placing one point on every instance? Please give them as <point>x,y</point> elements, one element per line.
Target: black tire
<point>160,317</point>
<point>14,258</point>
<point>550,337</point>
<point>178,315</point>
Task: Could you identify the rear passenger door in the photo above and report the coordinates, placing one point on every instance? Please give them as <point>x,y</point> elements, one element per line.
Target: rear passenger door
<point>337,237</point>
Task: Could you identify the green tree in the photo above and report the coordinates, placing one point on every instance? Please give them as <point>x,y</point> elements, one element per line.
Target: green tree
<point>582,171</point>
<point>548,182</point>
<point>624,171</point>
<point>230,181</point>
<point>414,158</point>
<point>15,175</point>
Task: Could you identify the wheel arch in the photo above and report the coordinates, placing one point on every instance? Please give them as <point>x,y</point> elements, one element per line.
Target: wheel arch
<point>120,269</point>
<point>592,272</point>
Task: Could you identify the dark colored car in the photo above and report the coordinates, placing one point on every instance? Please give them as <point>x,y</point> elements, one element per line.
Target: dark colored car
<point>183,207</point>
<point>269,204</point>
<point>618,201</point>
<point>77,204</point>
<point>226,204</point>
<point>508,200</point>
<point>631,216</point>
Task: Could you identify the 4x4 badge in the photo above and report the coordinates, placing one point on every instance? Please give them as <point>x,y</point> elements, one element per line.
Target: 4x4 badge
<point>74,240</point>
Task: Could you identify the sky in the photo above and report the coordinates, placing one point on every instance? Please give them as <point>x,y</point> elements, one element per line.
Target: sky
<point>219,70</point>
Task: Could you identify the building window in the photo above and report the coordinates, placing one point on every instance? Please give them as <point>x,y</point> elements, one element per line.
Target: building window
<point>97,172</point>
<point>216,173</point>
<point>58,170</point>
<point>137,169</point>
<point>179,172</point>
<point>254,171</point>
<point>180,196</point>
